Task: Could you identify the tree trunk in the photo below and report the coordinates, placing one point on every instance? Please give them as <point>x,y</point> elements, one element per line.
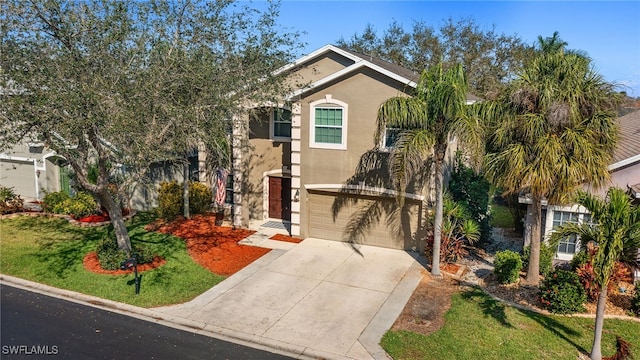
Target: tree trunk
<point>185,190</point>
<point>533,271</point>
<point>437,224</point>
<point>115,214</point>
<point>596,353</point>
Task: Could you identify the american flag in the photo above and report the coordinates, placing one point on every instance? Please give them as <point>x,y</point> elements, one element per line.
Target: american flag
<point>221,186</point>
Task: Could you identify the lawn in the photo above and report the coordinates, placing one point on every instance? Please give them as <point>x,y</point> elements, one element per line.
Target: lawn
<point>501,217</point>
<point>478,327</point>
<point>50,251</point>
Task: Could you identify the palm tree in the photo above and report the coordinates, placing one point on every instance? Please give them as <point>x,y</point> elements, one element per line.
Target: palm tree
<point>551,44</point>
<point>616,232</point>
<point>553,129</point>
<point>429,120</point>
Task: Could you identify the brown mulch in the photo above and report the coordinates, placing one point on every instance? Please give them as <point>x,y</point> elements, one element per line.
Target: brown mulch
<point>281,237</point>
<point>92,263</point>
<point>214,247</point>
<point>424,312</point>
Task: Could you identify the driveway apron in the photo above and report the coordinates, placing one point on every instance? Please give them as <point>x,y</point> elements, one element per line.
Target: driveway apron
<point>320,298</point>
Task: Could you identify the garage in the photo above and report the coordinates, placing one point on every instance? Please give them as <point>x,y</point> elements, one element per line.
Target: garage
<point>323,226</point>
<point>20,176</point>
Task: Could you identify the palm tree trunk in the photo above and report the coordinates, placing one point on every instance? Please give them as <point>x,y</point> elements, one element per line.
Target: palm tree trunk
<point>437,224</point>
<point>533,271</point>
<point>596,353</point>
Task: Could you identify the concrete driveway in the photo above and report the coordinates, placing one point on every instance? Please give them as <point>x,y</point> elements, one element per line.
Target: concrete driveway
<point>316,299</point>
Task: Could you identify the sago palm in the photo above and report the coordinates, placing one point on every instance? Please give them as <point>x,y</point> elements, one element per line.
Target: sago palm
<point>616,232</point>
<point>553,129</point>
<point>429,120</point>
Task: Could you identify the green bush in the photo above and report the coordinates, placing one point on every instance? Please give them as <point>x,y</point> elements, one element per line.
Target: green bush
<point>110,256</point>
<point>80,205</point>
<point>547,252</point>
<point>635,302</point>
<point>53,200</point>
<point>10,202</point>
<point>561,292</point>
<point>170,199</point>
<point>507,266</point>
<point>579,259</point>
<point>199,198</point>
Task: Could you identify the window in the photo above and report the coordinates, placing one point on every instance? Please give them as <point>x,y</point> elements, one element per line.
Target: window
<point>569,244</point>
<point>281,124</point>
<point>391,136</point>
<point>328,128</point>
<point>228,199</point>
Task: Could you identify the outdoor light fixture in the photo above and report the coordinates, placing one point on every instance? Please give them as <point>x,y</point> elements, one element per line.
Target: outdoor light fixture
<point>296,197</point>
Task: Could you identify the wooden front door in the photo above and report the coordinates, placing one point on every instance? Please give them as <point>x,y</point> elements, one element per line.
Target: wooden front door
<point>279,198</point>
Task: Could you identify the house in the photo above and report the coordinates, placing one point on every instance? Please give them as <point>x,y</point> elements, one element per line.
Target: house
<point>625,174</point>
<point>31,169</point>
<point>310,163</point>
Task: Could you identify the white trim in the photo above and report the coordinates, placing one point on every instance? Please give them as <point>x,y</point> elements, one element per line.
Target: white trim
<point>378,190</point>
<point>4,156</point>
<point>312,126</point>
<point>551,209</point>
<point>347,70</point>
<point>272,124</point>
<point>316,53</point>
<point>624,162</point>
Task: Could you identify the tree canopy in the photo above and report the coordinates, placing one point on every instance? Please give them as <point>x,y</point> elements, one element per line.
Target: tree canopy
<point>120,84</point>
<point>489,58</point>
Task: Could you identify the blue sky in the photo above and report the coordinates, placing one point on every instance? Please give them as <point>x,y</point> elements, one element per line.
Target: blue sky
<point>609,31</point>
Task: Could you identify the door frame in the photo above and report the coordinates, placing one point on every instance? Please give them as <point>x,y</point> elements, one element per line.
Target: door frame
<point>265,191</point>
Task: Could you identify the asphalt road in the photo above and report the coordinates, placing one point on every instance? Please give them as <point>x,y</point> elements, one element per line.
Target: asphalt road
<point>35,326</point>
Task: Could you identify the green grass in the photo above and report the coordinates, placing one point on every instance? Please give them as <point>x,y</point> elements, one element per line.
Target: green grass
<point>501,217</point>
<point>50,251</point>
<point>478,327</point>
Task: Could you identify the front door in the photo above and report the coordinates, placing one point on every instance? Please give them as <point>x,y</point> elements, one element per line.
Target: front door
<point>279,198</point>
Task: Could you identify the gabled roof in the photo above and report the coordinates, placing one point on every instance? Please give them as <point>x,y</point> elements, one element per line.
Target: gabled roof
<point>628,149</point>
<point>394,72</point>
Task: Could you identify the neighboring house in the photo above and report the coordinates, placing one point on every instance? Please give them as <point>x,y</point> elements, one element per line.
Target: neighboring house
<point>31,170</point>
<point>300,166</point>
<point>625,174</point>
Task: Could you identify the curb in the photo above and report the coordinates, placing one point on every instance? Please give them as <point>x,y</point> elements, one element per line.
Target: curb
<point>153,316</point>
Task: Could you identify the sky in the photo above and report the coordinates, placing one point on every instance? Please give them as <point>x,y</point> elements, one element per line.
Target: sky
<point>609,31</point>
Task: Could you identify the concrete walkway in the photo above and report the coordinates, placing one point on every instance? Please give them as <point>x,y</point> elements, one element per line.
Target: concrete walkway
<point>317,299</point>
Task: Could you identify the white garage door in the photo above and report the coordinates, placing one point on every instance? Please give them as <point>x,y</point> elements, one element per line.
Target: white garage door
<point>20,176</point>
<point>323,226</point>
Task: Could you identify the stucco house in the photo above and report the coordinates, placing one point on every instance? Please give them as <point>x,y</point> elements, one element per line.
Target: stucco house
<point>311,164</point>
<point>625,174</point>
<point>31,169</point>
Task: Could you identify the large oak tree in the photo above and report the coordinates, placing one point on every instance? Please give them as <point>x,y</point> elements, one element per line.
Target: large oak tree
<point>117,85</point>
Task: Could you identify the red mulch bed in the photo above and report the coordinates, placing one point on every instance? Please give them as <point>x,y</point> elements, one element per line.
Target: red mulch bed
<point>286,238</point>
<point>92,263</point>
<point>214,247</point>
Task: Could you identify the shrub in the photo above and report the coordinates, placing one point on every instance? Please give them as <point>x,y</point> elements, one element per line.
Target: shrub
<point>562,293</point>
<point>547,253</point>
<point>199,197</point>
<point>635,302</point>
<point>10,202</point>
<point>507,266</point>
<point>170,199</point>
<point>52,200</point>
<point>110,256</point>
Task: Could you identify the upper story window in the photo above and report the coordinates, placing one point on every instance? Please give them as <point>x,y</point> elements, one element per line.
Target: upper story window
<point>328,128</point>
<point>281,124</point>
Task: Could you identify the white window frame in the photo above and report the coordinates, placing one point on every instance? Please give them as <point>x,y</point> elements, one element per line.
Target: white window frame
<point>383,141</point>
<point>328,103</point>
<point>552,209</point>
<point>272,126</point>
